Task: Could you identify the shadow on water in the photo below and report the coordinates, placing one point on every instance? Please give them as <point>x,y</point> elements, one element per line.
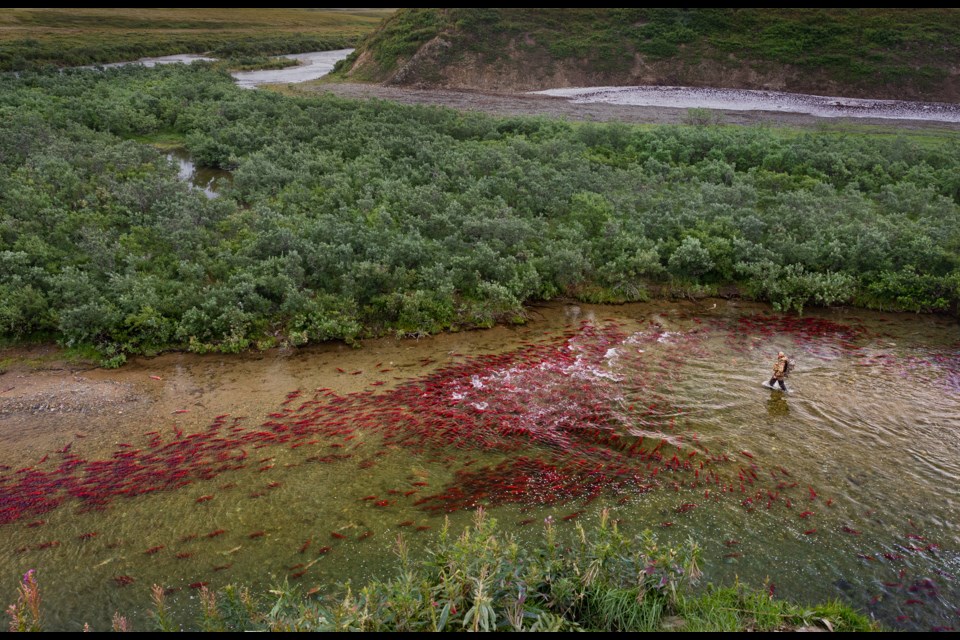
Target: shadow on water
<point>304,465</point>
<point>777,406</point>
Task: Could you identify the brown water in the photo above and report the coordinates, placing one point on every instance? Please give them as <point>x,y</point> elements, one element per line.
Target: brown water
<point>846,487</point>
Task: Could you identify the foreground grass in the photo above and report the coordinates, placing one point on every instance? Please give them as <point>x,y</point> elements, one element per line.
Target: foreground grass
<point>32,38</point>
<point>483,580</point>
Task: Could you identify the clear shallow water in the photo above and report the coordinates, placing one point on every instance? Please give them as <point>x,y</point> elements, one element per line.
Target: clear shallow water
<point>845,487</point>
<point>750,100</point>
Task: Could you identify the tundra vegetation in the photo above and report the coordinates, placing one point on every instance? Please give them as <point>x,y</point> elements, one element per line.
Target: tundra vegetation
<point>348,219</point>
<point>34,38</point>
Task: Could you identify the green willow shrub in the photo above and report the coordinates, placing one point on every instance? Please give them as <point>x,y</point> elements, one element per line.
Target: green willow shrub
<point>348,219</point>
<point>690,259</point>
<point>912,291</point>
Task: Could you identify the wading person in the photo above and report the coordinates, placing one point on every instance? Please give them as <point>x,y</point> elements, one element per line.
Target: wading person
<point>780,371</point>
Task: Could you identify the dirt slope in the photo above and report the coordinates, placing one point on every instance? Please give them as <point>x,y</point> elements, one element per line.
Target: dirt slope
<point>875,53</point>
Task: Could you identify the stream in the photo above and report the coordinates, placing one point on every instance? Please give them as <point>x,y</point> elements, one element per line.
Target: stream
<point>305,464</point>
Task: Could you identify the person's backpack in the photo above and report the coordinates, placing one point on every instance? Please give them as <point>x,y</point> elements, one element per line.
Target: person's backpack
<point>787,366</point>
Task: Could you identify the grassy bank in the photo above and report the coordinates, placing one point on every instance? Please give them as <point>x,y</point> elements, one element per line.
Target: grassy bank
<point>483,580</point>
<point>32,38</point>
<point>350,219</point>
<point>892,53</point>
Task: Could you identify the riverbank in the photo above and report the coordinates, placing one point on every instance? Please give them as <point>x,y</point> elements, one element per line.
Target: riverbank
<point>871,53</point>
<point>533,104</point>
<point>482,580</point>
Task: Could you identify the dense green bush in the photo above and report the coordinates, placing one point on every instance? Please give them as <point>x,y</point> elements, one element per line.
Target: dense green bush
<point>348,219</point>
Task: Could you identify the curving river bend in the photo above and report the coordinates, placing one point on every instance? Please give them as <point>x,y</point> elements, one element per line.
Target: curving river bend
<point>316,64</point>
<point>305,464</point>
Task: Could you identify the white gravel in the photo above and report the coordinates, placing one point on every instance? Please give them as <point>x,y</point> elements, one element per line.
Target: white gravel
<point>750,100</point>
